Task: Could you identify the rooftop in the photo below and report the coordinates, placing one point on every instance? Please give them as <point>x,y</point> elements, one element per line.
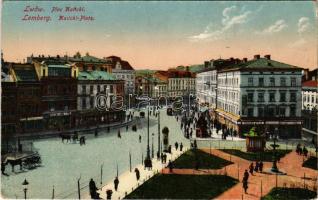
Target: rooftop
<point>310,84</point>
<point>95,75</point>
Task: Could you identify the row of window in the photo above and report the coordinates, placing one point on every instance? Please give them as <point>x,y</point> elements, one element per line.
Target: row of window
<point>306,98</point>
<point>272,97</point>
<point>122,76</point>
<point>100,88</point>
<point>272,81</point>
<point>271,111</point>
<point>228,81</point>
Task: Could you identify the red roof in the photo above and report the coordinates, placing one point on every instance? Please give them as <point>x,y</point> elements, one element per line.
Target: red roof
<point>310,84</point>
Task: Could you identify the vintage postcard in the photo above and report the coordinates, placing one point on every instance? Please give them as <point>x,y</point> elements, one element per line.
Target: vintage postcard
<point>159,99</point>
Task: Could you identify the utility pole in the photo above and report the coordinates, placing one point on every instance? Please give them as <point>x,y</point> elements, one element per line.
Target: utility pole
<point>79,188</point>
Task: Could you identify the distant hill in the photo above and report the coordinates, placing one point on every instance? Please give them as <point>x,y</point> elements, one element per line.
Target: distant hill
<point>142,72</point>
<point>192,68</point>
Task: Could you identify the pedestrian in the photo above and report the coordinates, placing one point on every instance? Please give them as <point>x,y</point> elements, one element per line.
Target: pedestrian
<point>251,168</point>
<point>169,149</point>
<point>118,134</point>
<point>256,166</point>
<point>96,132</point>
<point>305,151</point>
<point>92,189</point>
<point>176,145</point>
<point>261,166</point>
<point>245,186</point>
<point>139,138</point>
<point>181,146</point>
<point>3,168</point>
<point>116,183</point>
<point>170,166</point>
<point>177,118</point>
<point>127,127</point>
<point>298,149</point>
<point>137,174</point>
<point>161,157</point>
<point>191,132</point>
<point>246,175</point>
<point>109,194</point>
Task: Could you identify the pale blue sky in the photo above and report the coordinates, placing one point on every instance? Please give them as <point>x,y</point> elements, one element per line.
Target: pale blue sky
<point>134,30</point>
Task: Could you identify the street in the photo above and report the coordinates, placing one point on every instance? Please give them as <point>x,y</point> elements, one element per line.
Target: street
<point>64,163</point>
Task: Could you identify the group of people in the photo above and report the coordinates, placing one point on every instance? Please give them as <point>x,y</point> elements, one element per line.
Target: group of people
<point>177,145</point>
<point>257,168</point>
<point>301,151</point>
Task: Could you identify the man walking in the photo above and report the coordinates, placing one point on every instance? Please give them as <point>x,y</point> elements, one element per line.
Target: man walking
<point>116,183</point>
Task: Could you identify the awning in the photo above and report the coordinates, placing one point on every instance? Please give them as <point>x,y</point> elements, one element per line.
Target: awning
<point>32,118</point>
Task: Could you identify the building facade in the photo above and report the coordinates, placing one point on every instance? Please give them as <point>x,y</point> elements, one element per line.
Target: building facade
<point>122,70</point>
<point>96,92</point>
<point>260,92</point>
<point>180,83</point>
<point>309,109</point>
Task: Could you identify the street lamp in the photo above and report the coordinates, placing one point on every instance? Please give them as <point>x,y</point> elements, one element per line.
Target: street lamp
<point>148,163</point>
<point>152,150</point>
<point>274,167</point>
<point>159,150</point>
<point>25,188</point>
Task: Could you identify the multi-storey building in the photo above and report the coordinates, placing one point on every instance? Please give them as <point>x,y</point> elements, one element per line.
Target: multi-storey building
<point>58,93</point>
<point>122,70</point>
<point>206,80</point>
<point>96,92</point>
<point>309,109</point>
<point>260,92</point>
<point>21,101</point>
<point>180,83</point>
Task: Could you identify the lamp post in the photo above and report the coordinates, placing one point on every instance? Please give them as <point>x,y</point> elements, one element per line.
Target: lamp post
<point>159,149</point>
<point>152,150</point>
<point>148,163</point>
<point>25,188</point>
<point>274,166</point>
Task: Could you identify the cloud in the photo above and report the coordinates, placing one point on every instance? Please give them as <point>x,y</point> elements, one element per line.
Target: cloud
<point>278,26</point>
<point>228,21</point>
<point>298,43</point>
<point>303,25</point>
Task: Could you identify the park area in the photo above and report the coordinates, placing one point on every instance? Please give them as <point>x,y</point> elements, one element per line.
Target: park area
<point>203,160</point>
<point>290,194</point>
<point>266,156</point>
<point>174,186</point>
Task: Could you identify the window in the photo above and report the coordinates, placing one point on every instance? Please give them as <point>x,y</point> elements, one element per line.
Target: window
<point>270,112</point>
<point>272,97</point>
<point>250,112</point>
<point>292,111</point>
<point>111,88</point>
<point>43,72</point>
<point>293,81</point>
<point>282,97</point>
<point>282,81</point>
<point>261,112</point>
<point>272,81</point>
<point>83,89</point>
<point>312,99</point>
<point>250,81</point>
<point>292,97</point>
<point>91,102</point>
<point>91,89</point>
<point>83,103</point>
<point>250,97</point>
<point>282,111</point>
<point>261,82</point>
<point>98,88</point>
<point>260,97</point>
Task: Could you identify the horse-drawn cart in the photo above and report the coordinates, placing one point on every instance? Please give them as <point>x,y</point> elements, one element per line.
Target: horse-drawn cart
<point>26,160</point>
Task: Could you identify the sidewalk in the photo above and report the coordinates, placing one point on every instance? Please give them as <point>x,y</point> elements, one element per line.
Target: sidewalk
<point>128,181</point>
<point>53,133</point>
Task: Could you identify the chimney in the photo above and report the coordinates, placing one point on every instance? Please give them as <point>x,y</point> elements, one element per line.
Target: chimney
<point>268,57</point>
<point>256,57</point>
<point>244,60</point>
